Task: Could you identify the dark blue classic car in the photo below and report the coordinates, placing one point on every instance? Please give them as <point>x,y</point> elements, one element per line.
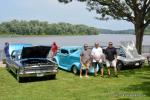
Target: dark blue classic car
<point>30,61</point>
<point>68,58</point>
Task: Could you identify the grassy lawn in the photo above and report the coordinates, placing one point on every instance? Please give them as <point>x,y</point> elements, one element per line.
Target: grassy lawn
<point>130,85</point>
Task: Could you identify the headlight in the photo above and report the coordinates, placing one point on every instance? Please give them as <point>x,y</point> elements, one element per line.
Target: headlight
<point>56,66</point>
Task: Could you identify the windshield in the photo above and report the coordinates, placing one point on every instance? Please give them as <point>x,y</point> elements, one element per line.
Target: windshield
<point>16,55</point>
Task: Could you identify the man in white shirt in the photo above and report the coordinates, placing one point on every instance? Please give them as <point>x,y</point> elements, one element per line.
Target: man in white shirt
<point>98,57</point>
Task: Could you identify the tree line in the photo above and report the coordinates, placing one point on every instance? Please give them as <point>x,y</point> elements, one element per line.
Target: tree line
<point>35,27</point>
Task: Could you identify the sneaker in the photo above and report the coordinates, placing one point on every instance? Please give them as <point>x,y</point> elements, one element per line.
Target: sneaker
<point>102,76</point>
<point>108,75</point>
<point>80,76</point>
<point>96,75</point>
<point>86,76</point>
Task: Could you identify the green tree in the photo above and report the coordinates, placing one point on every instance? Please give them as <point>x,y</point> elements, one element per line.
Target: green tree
<point>35,27</point>
<point>134,11</point>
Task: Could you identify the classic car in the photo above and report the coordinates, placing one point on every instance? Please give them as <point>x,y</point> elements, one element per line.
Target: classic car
<point>30,61</point>
<point>128,55</point>
<point>68,58</point>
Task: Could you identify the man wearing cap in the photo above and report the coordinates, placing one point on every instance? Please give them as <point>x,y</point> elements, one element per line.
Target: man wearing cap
<point>111,58</point>
<point>97,55</point>
<point>85,60</point>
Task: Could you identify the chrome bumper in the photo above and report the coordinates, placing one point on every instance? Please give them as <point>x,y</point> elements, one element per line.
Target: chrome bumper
<point>134,63</point>
<point>37,73</point>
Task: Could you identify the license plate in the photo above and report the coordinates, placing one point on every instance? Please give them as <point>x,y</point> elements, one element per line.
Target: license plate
<point>137,64</point>
<point>40,74</point>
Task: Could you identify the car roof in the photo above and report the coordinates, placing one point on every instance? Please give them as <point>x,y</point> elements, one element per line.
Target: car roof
<point>70,47</point>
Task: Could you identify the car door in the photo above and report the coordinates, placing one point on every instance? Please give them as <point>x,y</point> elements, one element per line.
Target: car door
<point>13,59</point>
<point>74,57</point>
<point>64,57</point>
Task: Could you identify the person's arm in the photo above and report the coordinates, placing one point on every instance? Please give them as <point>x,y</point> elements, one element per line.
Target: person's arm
<point>115,54</point>
<point>103,55</point>
<point>81,55</point>
<point>92,54</point>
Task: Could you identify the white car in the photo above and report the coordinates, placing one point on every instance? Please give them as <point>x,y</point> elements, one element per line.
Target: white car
<point>127,55</point>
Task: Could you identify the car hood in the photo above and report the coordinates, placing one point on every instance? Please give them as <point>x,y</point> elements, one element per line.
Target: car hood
<point>130,50</point>
<point>35,52</point>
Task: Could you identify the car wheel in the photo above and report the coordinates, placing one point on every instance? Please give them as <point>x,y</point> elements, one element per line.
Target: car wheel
<point>149,63</point>
<point>139,66</point>
<point>53,76</point>
<point>119,65</point>
<point>75,70</point>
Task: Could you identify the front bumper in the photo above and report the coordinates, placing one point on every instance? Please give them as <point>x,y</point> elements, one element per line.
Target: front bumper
<point>133,63</point>
<point>37,73</point>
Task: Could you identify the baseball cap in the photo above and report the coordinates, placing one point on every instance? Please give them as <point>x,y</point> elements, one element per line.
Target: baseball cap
<point>85,45</point>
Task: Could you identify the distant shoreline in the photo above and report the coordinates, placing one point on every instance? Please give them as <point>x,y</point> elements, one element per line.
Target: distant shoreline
<point>1,36</point>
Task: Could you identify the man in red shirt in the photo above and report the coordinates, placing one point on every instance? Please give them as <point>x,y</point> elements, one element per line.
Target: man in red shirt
<point>54,49</point>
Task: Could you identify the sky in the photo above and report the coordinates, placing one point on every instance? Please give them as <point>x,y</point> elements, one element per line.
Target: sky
<point>55,12</point>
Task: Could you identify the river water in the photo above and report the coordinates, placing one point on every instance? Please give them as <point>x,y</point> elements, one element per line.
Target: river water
<point>73,40</point>
<point>103,39</point>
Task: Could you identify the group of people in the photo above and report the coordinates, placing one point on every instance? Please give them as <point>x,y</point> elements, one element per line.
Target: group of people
<point>97,57</point>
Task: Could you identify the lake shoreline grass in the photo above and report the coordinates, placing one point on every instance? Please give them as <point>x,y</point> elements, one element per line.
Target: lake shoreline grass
<point>132,84</point>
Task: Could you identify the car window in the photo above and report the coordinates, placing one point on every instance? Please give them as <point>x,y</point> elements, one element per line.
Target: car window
<point>63,51</point>
<point>73,50</point>
<point>16,54</point>
<point>121,52</point>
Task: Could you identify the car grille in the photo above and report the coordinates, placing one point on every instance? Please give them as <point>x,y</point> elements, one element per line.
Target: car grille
<point>41,68</point>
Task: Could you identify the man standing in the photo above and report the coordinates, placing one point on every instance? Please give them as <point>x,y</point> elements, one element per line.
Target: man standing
<point>85,60</point>
<point>111,58</point>
<point>54,49</point>
<point>97,55</point>
<point>6,50</point>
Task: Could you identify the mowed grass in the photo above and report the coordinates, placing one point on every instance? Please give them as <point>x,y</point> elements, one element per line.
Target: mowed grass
<point>133,84</point>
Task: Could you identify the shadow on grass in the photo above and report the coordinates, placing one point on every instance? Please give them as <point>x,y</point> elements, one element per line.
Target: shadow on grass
<point>123,99</point>
<point>36,79</point>
<point>32,79</point>
<point>144,87</point>
<point>127,72</point>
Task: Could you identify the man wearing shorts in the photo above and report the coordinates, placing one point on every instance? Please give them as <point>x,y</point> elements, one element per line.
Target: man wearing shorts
<point>85,60</point>
<point>111,58</point>
<point>97,55</point>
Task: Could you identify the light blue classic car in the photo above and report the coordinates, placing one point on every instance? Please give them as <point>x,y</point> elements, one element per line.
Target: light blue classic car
<point>68,58</point>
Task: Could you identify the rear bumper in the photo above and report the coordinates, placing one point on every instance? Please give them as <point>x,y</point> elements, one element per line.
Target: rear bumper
<point>38,74</point>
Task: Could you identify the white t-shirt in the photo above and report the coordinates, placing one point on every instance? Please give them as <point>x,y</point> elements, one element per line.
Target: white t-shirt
<point>97,54</point>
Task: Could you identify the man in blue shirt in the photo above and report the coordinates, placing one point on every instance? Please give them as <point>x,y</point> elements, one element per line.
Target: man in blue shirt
<point>6,50</point>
